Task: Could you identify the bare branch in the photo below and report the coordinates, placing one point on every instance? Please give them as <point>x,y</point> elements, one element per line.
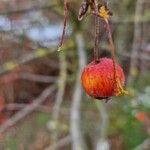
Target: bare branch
<point>38,53</point>
<point>77,140</point>
<point>16,106</point>
<point>64,24</point>
<point>102,142</point>
<point>60,93</point>
<point>27,110</point>
<point>12,64</point>
<point>37,78</point>
<point>61,85</point>
<point>137,40</point>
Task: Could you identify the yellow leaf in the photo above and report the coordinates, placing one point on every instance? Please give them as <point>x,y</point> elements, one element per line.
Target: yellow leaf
<point>10,65</point>
<point>103,13</point>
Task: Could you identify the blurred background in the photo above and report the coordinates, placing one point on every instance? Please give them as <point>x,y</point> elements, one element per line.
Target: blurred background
<point>42,105</point>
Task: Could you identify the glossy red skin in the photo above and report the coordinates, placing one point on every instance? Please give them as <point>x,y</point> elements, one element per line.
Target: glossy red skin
<point>97,78</point>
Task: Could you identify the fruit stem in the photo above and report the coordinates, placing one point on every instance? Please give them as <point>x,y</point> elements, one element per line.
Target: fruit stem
<point>118,90</point>
<point>97,26</point>
<point>64,25</point>
<point>112,48</point>
<point>104,13</point>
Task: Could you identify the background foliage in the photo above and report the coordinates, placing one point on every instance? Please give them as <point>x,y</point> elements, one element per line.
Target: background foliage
<point>41,99</point>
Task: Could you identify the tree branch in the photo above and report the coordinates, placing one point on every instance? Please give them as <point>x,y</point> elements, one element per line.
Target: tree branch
<point>16,106</point>
<point>27,110</point>
<point>76,133</point>
<point>137,40</point>
<point>60,94</point>
<point>102,142</point>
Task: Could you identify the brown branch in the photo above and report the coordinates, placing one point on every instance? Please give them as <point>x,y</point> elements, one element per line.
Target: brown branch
<point>96,45</point>
<point>112,48</point>
<point>64,25</point>
<point>97,26</point>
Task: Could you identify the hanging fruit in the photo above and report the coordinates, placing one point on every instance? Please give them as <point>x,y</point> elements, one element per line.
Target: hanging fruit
<point>97,79</point>
<point>103,78</point>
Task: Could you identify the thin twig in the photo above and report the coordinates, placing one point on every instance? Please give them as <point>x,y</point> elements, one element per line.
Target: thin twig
<point>64,25</point>
<point>37,78</point>
<point>96,46</point>
<point>97,26</point>
<point>16,106</point>
<point>112,48</point>
<point>27,110</point>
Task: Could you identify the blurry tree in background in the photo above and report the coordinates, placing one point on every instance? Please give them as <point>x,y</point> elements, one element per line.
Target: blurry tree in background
<point>42,106</point>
